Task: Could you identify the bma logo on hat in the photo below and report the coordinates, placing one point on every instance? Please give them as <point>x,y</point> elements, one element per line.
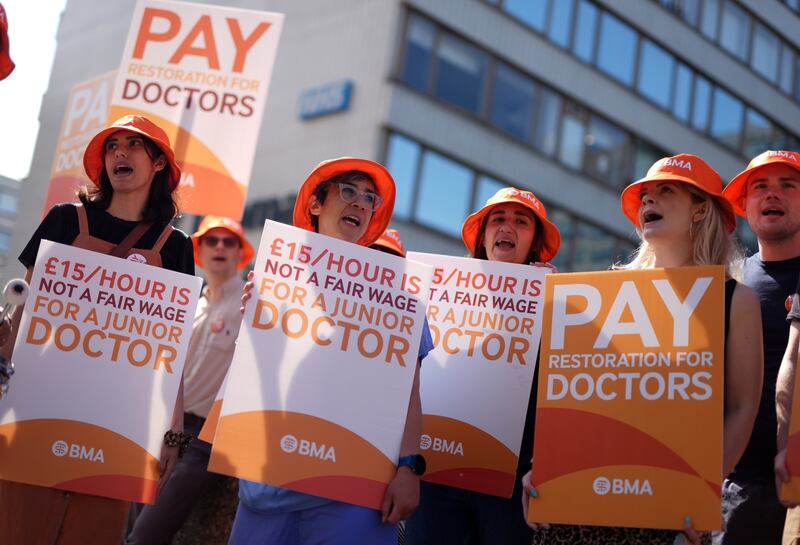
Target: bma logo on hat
<point>525,195</point>
<point>783,154</point>
<point>679,163</point>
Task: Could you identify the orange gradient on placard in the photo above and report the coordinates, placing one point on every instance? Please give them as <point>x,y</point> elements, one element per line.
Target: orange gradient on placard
<point>209,429</point>
<point>63,189</point>
<point>28,455</point>
<point>636,435</point>
<point>248,445</point>
<point>486,465</point>
<point>207,186</point>
<point>657,509</point>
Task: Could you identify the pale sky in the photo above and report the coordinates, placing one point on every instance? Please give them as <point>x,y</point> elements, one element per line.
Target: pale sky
<point>32,26</point>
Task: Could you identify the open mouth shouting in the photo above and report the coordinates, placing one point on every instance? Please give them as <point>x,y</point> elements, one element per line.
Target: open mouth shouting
<point>122,169</point>
<point>773,211</point>
<point>650,216</point>
<point>351,220</point>
<point>505,244</point>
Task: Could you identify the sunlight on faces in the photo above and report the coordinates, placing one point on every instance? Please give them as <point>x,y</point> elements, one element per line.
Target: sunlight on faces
<point>342,220</point>
<point>222,257</point>
<point>772,202</point>
<point>129,167</point>
<point>667,212</point>
<point>509,233</point>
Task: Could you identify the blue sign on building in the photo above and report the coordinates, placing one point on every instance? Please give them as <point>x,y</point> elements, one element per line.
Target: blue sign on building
<point>326,99</point>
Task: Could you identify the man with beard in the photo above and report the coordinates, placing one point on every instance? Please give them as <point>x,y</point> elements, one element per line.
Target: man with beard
<point>767,193</point>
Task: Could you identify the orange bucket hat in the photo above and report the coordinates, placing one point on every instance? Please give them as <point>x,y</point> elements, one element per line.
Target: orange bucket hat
<point>213,222</point>
<point>384,185</point>
<point>390,239</point>
<point>472,225</point>
<point>6,64</point>
<point>736,190</point>
<point>685,168</point>
<point>94,156</point>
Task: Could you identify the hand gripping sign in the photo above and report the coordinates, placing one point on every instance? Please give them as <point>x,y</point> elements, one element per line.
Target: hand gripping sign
<point>201,73</point>
<point>630,403</point>
<point>86,115</point>
<point>99,357</point>
<point>318,391</point>
<point>476,383</point>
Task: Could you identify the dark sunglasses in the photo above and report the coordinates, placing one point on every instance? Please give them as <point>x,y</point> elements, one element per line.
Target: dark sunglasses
<point>212,241</point>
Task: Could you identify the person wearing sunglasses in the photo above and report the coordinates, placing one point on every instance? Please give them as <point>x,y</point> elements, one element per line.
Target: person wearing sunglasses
<point>221,250</point>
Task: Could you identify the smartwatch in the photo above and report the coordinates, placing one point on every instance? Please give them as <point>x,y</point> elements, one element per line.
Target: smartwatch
<point>413,461</point>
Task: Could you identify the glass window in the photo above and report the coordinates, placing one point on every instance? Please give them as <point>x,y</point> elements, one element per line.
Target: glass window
<point>655,73</point>
<point>594,248</point>
<point>512,102</point>
<point>787,69</point>
<point>566,225</point>
<point>607,152</point>
<point>445,188</point>
<point>487,187</point>
<point>402,159</point>
<point>765,52</point>
<point>784,141</point>
<point>625,250</point>
<point>683,92</point>
<point>689,11</point>
<point>548,112</point>
<point>561,22</point>
<point>734,32</point>
<point>701,108</point>
<point>461,73</point>
<point>572,145</point>
<point>420,35</point>
<point>727,118</point>
<point>8,203</point>
<point>617,49</point>
<point>710,15</point>
<point>5,239</point>
<point>530,12</point>
<point>758,133</point>
<point>585,31</point>
<point>645,156</point>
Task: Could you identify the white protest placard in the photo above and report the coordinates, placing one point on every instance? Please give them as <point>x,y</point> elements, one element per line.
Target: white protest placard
<point>201,73</point>
<point>320,383</point>
<point>476,383</point>
<point>99,357</point>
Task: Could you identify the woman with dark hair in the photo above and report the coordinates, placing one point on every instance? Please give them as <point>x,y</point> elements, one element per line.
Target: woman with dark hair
<point>127,214</point>
<point>512,227</point>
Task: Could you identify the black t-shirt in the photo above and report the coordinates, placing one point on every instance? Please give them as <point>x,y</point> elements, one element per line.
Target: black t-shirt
<point>61,225</point>
<point>772,281</point>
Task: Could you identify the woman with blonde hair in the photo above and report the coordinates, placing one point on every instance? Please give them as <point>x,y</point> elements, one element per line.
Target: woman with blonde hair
<point>683,220</point>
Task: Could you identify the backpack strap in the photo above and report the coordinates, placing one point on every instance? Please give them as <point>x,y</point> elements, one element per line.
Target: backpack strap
<point>133,237</point>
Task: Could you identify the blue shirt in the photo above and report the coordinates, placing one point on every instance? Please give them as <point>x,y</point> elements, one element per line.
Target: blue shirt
<point>272,499</point>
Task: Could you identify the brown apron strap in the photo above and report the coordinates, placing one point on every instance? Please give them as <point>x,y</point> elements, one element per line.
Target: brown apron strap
<point>83,222</point>
<point>163,238</point>
<point>132,238</point>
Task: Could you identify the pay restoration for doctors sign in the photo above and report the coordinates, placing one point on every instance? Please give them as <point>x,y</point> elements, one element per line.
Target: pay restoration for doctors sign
<point>630,402</point>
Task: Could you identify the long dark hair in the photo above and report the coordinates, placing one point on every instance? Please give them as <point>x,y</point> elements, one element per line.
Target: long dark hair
<point>479,251</point>
<point>160,207</point>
